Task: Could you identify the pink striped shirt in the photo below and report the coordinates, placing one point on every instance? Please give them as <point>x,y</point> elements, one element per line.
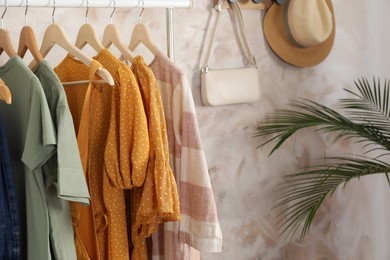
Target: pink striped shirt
<point>199,229</point>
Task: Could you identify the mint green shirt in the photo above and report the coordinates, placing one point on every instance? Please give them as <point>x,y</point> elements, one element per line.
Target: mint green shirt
<point>63,173</point>
<point>32,138</point>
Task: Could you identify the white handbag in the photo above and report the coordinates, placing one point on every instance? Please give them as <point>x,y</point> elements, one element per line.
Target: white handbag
<point>230,86</point>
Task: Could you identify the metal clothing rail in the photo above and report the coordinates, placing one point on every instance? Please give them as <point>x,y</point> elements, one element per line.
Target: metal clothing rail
<point>168,4</point>
<point>101,3</point>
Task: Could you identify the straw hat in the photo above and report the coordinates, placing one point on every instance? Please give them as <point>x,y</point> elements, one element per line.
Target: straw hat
<point>300,32</point>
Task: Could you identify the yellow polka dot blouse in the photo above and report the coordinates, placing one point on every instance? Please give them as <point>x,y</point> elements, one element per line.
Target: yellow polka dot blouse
<point>128,150</point>
<point>157,200</point>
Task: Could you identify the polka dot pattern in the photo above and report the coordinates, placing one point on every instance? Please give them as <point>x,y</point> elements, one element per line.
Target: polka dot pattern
<point>84,222</point>
<point>157,200</point>
<point>128,149</point>
<point>111,143</point>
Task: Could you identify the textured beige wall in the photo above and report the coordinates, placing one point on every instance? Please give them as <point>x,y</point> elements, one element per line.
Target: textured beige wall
<point>351,225</point>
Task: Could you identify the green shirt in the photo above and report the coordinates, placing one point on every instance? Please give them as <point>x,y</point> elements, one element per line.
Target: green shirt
<point>69,183</point>
<point>31,136</point>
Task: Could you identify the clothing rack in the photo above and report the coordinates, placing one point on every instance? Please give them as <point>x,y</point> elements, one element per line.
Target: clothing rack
<point>168,4</point>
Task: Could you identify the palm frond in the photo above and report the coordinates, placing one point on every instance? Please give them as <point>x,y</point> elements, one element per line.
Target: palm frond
<point>370,106</point>
<point>303,193</point>
<point>304,114</point>
<point>366,120</point>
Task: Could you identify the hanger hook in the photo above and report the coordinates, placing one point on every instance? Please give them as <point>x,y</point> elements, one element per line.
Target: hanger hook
<point>54,10</point>
<point>86,13</point>
<point>113,11</point>
<point>140,15</point>
<point>25,13</point>
<point>5,10</point>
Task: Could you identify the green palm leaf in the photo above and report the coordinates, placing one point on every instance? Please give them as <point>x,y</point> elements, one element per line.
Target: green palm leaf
<point>370,106</point>
<point>306,113</point>
<point>366,119</point>
<point>302,193</point>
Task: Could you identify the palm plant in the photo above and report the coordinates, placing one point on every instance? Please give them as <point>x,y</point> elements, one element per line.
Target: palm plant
<point>366,120</point>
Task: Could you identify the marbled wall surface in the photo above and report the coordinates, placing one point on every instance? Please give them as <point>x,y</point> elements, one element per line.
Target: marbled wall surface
<point>353,224</point>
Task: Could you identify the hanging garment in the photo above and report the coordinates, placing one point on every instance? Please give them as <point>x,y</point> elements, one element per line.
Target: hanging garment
<point>32,139</point>
<point>89,223</point>
<point>199,227</point>
<point>9,214</point>
<point>113,167</point>
<point>157,200</point>
<point>69,183</point>
<point>126,153</point>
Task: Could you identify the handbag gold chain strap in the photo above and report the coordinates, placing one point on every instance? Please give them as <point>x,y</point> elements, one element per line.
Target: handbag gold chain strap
<point>241,32</point>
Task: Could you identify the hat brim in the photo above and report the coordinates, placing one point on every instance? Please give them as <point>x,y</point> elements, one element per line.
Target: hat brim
<point>278,39</point>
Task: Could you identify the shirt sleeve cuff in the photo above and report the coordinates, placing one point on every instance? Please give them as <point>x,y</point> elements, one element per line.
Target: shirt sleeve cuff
<point>72,186</point>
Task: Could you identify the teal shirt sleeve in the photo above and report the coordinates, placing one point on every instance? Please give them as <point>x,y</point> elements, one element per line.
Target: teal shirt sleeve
<point>67,169</point>
<point>41,138</point>
<point>71,179</point>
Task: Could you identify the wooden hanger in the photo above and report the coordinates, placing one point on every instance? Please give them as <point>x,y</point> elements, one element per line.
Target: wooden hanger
<point>88,35</point>
<point>112,36</point>
<point>27,41</point>
<point>140,35</point>
<point>5,39</point>
<point>55,35</point>
<point>6,44</point>
<point>5,93</point>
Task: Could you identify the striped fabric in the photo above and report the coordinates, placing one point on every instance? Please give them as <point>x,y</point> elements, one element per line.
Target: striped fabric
<point>199,229</point>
